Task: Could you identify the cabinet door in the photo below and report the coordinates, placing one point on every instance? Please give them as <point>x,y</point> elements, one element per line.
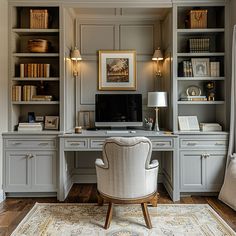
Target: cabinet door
<point>192,171</point>
<point>18,171</point>
<point>44,171</point>
<point>215,168</point>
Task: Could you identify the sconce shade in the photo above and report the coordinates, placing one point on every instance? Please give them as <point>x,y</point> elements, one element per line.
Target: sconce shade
<point>157,56</point>
<point>75,55</point>
<point>157,99</point>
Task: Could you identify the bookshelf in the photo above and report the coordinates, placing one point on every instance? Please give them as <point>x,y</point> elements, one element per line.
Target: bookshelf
<point>213,108</point>
<point>23,28</point>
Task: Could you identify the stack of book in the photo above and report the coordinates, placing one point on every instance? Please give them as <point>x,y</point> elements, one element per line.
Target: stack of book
<point>215,68</point>
<point>28,92</point>
<point>34,70</point>
<point>185,69</point>
<point>30,127</point>
<point>42,98</point>
<point>38,18</point>
<point>199,45</point>
<point>210,127</point>
<point>16,93</point>
<point>193,98</point>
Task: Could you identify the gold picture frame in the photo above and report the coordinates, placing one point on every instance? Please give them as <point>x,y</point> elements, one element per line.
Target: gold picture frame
<point>117,70</point>
<point>51,122</point>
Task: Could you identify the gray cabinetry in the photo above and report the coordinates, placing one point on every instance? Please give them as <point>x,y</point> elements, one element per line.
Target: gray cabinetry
<point>30,168</point>
<point>202,162</point>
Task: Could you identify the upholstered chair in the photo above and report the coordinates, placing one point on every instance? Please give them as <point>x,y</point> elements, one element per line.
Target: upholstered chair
<point>125,174</point>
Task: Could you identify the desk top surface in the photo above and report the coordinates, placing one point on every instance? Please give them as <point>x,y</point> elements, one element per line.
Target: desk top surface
<point>117,133</point>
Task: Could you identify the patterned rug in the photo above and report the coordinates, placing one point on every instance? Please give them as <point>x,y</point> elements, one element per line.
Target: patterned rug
<point>88,220</point>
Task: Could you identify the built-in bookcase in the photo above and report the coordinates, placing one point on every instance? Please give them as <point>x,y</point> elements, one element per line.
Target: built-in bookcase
<point>19,35</point>
<point>211,110</point>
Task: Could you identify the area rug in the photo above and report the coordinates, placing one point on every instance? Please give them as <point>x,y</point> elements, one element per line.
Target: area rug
<point>88,220</point>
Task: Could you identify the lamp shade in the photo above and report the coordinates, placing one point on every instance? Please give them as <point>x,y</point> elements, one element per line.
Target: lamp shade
<point>157,56</point>
<point>75,54</point>
<point>157,99</point>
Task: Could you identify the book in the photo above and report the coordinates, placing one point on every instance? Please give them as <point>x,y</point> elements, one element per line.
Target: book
<point>38,18</point>
<point>193,98</point>
<point>188,123</point>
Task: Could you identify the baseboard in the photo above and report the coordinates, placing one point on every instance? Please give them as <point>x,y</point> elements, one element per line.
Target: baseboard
<point>84,179</point>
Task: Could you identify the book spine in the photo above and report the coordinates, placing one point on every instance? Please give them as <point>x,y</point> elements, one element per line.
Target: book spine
<point>22,70</point>
<point>13,93</point>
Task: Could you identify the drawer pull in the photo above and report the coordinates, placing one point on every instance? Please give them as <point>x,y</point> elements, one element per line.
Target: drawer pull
<point>43,144</point>
<point>191,144</point>
<point>75,144</point>
<point>219,144</point>
<point>160,144</point>
<point>17,143</point>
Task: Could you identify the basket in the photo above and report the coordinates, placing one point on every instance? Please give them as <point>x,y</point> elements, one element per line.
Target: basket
<point>38,45</point>
<point>198,19</point>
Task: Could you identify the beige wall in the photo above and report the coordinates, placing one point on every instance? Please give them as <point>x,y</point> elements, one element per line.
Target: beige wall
<point>3,75</point>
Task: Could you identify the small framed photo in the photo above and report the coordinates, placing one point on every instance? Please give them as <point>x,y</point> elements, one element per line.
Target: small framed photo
<point>201,67</point>
<point>84,119</point>
<point>51,122</point>
<point>31,117</point>
<point>117,70</point>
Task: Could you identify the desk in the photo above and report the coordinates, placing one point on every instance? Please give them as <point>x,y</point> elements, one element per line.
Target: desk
<point>93,141</point>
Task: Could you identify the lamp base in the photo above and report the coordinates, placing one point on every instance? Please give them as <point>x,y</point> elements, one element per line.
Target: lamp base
<point>156,126</point>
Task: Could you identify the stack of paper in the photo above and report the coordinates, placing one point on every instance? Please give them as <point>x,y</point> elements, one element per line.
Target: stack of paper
<point>30,127</point>
<point>210,127</point>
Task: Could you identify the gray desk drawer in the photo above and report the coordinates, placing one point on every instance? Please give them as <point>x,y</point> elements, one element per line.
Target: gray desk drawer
<point>76,144</point>
<point>31,143</point>
<point>203,143</point>
<point>96,143</point>
<point>159,144</point>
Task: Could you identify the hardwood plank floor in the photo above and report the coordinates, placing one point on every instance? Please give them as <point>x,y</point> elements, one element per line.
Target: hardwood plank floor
<point>13,210</point>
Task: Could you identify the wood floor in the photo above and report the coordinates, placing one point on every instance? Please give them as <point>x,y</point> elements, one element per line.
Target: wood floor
<point>13,210</point>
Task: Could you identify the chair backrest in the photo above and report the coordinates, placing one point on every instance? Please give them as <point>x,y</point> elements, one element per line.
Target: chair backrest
<point>127,161</point>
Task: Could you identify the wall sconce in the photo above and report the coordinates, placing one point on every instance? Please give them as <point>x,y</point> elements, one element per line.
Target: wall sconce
<point>157,56</point>
<point>75,56</point>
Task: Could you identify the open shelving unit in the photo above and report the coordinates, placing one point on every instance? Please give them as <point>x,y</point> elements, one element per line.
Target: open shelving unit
<point>206,111</point>
<point>20,33</point>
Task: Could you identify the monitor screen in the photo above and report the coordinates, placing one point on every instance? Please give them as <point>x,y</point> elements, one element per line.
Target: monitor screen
<point>118,110</point>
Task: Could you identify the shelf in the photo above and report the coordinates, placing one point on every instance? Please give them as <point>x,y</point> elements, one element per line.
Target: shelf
<point>200,102</point>
<point>36,54</point>
<point>21,31</point>
<point>35,79</point>
<point>197,31</point>
<point>201,54</point>
<point>199,78</point>
<point>36,103</point>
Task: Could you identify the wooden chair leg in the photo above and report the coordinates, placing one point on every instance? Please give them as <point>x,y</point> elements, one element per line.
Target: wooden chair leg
<point>146,215</point>
<point>154,200</point>
<point>100,199</point>
<point>109,215</point>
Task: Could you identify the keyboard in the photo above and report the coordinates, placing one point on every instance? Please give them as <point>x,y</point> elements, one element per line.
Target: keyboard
<point>120,131</point>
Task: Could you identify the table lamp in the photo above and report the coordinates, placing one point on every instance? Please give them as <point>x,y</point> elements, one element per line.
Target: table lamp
<point>157,99</point>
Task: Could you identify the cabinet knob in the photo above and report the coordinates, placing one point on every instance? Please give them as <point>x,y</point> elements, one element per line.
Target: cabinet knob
<point>191,144</point>
<point>219,144</point>
<point>43,144</point>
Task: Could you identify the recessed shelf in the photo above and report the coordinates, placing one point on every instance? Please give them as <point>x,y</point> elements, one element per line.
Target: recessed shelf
<point>35,103</point>
<point>197,31</point>
<point>24,31</point>
<point>35,54</point>
<point>35,79</point>
<point>201,54</point>
<point>199,78</point>
<point>200,102</point>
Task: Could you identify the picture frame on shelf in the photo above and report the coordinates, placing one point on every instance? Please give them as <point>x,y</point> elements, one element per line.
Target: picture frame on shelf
<point>117,70</point>
<point>51,122</point>
<point>201,67</point>
<point>84,119</point>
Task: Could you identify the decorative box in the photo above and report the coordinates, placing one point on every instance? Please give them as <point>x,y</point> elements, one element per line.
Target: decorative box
<point>198,19</point>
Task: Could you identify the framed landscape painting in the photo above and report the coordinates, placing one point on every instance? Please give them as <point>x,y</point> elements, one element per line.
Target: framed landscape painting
<point>117,70</point>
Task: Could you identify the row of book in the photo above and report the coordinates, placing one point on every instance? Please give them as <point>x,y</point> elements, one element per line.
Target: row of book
<point>27,93</point>
<point>185,69</point>
<point>34,70</point>
<point>193,98</point>
<point>38,18</point>
<point>199,45</point>
<point>36,126</point>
